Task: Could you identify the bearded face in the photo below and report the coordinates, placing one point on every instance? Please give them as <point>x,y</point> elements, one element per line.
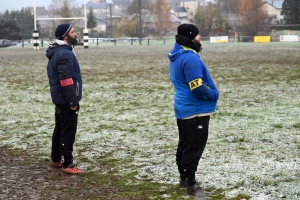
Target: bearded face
<point>197,44</point>
<point>72,40</point>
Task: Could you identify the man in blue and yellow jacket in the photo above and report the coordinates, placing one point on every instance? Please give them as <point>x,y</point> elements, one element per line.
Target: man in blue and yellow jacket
<point>66,91</point>
<point>195,99</point>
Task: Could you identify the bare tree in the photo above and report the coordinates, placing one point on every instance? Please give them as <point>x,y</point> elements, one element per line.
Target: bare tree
<point>160,10</point>
<point>209,20</point>
<point>64,9</point>
<point>229,6</point>
<point>133,8</point>
<point>253,17</point>
<point>128,26</point>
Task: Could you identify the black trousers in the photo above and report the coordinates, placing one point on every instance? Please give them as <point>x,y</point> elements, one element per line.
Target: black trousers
<point>63,137</point>
<point>193,134</point>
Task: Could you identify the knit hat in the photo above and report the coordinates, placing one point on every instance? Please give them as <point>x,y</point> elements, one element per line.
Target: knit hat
<point>188,30</point>
<point>62,30</point>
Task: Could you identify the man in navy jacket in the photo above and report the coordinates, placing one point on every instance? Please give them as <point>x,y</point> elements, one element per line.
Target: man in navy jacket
<point>195,99</point>
<point>66,91</point>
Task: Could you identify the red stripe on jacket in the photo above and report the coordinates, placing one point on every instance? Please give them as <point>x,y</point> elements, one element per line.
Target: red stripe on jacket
<point>66,82</point>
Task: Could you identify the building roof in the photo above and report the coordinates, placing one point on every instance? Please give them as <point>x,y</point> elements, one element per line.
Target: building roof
<point>275,3</point>
<point>101,22</point>
<point>179,9</point>
<point>190,0</point>
<point>40,11</point>
<point>173,18</point>
<point>122,4</point>
<point>151,18</point>
<point>96,5</point>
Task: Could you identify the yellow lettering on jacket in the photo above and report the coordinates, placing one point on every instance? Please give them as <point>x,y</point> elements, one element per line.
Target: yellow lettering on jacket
<point>195,83</point>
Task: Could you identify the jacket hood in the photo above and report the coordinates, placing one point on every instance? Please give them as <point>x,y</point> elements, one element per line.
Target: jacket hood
<point>177,51</point>
<point>54,47</point>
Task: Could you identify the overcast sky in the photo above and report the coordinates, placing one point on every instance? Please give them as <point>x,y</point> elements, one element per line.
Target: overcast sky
<point>18,4</point>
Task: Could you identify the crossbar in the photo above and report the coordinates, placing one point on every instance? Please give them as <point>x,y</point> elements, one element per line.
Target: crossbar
<point>60,18</point>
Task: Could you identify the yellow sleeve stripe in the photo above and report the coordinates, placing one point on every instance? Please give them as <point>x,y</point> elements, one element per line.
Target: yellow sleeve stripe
<point>195,83</point>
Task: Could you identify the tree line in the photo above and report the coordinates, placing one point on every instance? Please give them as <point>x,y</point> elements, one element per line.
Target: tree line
<point>253,18</point>
<point>16,25</point>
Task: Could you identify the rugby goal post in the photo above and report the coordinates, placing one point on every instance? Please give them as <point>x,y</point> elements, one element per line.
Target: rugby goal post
<point>36,32</point>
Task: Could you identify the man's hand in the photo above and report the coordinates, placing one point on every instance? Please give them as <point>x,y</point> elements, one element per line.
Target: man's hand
<point>74,108</point>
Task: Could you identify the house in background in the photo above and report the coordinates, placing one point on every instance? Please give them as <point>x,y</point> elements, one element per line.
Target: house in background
<point>274,8</point>
<point>192,6</point>
<point>148,24</point>
<point>98,8</point>
<point>179,12</point>
<point>100,30</point>
<point>46,26</point>
<point>107,14</point>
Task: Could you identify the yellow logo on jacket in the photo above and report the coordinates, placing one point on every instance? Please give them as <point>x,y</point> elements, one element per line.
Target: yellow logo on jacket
<point>195,83</point>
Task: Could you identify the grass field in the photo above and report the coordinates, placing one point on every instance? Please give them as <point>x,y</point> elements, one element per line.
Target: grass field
<point>127,126</point>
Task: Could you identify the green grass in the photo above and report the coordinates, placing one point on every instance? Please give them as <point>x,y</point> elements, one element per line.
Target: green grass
<point>127,132</point>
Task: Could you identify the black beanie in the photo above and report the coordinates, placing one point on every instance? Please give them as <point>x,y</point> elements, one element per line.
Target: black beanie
<point>62,30</point>
<point>188,30</point>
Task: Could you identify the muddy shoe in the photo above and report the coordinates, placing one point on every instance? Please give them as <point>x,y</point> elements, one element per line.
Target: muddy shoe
<point>197,191</point>
<point>184,183</point>
<point>71,169</point>
<point>55,164</point>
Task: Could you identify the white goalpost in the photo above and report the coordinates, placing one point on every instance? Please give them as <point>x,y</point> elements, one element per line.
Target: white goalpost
<point>36,32</point>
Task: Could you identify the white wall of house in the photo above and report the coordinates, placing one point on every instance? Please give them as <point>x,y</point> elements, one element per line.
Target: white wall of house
<point>274,11</point>
<point>279,16</point>
<point>191,6</point>
<point>99,28</point>
<point>179,14</point>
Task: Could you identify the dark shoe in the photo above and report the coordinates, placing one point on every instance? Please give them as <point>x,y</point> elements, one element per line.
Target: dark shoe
<point>71,169</point>
<point>197,191</point>
<point>184,183</point>
<point>55,164</point>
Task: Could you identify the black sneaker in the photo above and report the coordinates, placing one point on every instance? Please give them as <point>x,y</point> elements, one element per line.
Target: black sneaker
<point>197,191</point>
<point>184,183</point>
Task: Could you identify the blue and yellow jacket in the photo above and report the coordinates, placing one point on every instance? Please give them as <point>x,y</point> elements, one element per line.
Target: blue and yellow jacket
<point>64,75</point>
<point>195,90</point>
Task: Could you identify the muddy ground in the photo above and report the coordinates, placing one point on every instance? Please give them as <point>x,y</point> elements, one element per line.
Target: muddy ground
<point>23,177</point>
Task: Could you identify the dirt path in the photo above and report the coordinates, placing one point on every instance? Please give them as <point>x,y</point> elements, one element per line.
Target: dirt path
<point>23,177</point>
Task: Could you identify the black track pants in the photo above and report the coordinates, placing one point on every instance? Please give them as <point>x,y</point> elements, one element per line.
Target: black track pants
<point>193,134</point>
<point>64,134</point>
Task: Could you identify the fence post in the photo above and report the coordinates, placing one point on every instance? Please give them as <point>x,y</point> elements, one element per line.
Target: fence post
<point>164,41</point>
<point>115,41</point>
<point>140,40</point>
<point>97,42</point>
<point>131,41</point>
<point>86,38</point>
<point>148,41</point>
<point>23,43</point>
<point>35,39</point>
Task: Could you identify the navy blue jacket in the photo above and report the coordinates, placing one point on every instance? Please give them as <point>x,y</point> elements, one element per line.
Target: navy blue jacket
<point>64,75</point>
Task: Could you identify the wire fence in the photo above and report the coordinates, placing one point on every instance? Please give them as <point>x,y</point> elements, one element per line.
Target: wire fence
<point>166,40</point>
<point>136,41</point>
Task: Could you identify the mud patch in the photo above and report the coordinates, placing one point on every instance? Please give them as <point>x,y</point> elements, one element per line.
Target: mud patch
<point>23,177</point>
